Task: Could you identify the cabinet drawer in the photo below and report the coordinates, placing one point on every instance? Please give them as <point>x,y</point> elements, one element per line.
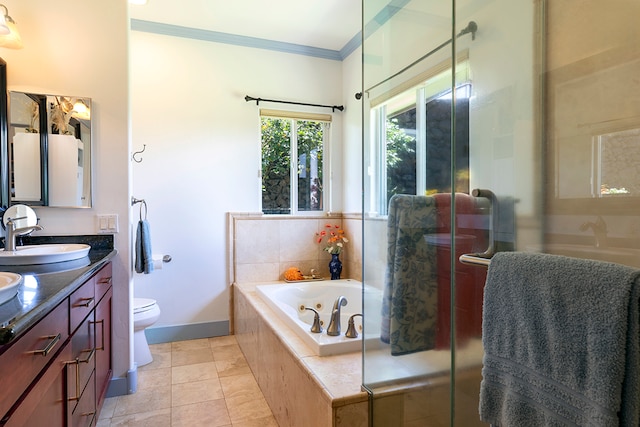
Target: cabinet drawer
<point>83,362</point>
<point>24,360</point>
<point>84,413</point>
<point>81,302</point>
<point>102,281</point>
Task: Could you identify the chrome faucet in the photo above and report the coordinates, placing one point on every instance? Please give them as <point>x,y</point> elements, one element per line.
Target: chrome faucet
<point>316,328</point>
<point>599,229</point>
<point>334,324</point>
<point>351,328</point>
<point>12,232</point>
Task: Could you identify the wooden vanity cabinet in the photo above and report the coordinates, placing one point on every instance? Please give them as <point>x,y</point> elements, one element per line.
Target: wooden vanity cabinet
<point>57,373</point>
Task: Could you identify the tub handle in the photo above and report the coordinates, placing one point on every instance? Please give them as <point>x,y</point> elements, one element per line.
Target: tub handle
<point>317,327</point>
<point>351,327</point>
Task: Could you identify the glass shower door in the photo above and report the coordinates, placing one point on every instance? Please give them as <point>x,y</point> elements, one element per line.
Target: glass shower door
<point>450,104</point>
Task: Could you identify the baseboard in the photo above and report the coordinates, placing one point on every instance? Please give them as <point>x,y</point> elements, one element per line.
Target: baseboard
<point>129,384</point>
<point>191,331</point>
<point>121,386</point>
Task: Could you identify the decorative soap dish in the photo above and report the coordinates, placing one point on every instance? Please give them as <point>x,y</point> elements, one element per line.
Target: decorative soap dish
<point>306,279</point>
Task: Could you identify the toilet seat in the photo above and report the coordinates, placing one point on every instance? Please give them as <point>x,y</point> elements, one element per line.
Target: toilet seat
<point>142,304</point>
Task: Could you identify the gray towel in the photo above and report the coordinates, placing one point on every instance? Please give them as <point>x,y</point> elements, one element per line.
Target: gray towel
<point>144,261</point>
<point>561,342</point>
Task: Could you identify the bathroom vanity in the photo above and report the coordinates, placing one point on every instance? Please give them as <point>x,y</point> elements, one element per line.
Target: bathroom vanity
<point>55,343</point>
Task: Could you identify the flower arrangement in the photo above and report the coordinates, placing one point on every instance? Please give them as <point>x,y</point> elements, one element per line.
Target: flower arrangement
<point>335,238</point>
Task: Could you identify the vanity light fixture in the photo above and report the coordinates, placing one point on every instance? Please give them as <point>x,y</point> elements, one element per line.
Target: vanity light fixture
<point>81,110</point>
<point>9,35</point>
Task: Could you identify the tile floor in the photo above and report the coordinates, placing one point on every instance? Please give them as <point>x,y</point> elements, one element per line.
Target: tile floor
<point>203,382</point>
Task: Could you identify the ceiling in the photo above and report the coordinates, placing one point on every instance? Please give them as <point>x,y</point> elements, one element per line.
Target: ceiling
<point>325,24</point>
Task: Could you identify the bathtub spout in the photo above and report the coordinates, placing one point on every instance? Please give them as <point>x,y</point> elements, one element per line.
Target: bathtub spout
<point>334,324</point>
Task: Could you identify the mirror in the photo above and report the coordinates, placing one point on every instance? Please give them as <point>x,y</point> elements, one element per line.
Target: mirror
<point>23,217</point>
<point>49,150</point>
<point>594,135</point>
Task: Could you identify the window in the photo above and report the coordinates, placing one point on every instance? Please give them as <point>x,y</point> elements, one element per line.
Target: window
<point>412,139</point>
<point>616,155</point>
<point>293,153</point>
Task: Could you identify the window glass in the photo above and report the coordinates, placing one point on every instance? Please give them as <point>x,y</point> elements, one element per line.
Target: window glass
<point>276,160</point>
<point>292,165</point>
<point>310,150</point>
<point>413,141</point>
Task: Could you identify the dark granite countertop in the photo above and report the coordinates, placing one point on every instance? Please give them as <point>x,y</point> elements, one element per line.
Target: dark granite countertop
<point>47,285</point>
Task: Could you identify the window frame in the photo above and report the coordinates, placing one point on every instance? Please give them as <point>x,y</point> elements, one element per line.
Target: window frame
<point>426,87</point>
<point>295,117</point>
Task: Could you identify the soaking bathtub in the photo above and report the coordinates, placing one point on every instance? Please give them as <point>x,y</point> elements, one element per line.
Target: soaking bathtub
<point>288,301</point>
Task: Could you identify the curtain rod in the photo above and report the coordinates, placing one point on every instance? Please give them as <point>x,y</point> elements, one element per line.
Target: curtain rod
<point>472,27</point>
<point>333,107</point>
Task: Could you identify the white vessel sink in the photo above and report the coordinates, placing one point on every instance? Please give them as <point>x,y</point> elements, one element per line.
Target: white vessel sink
<point>44,254</point>
<point>9,283</point>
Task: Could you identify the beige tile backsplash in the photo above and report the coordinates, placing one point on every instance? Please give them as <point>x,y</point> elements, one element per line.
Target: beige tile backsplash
<point>262,247</point>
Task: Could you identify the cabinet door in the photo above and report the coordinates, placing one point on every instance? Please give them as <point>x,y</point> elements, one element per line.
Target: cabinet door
<point>103,346</point>
<point>44,404</point>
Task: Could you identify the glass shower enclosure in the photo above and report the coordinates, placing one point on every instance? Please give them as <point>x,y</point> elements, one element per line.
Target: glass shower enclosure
<point>487,126</point>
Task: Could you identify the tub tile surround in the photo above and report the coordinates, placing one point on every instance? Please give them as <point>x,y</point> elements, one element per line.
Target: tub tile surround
<point>301,388</point>
<point>263,247</point>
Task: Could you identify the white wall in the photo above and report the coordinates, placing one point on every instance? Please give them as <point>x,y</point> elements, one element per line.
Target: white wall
<point>75,47</point>
<point>203,155</point>
<point>352,131</point>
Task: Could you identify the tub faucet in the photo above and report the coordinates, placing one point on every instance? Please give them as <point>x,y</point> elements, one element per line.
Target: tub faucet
<point>351,329</point>
<point>12,232</point>
<point>334,324</point>
<point>316,328</point>
<point>599,229</point>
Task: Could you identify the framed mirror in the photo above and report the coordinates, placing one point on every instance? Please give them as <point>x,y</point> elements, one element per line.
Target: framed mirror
<point>4,146</point>
<point>49,150</point>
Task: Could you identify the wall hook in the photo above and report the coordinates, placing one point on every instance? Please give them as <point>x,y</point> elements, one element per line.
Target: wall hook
<point>133,156</point>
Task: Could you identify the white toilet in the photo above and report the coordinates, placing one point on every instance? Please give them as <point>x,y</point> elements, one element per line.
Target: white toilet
<point>145,314</point>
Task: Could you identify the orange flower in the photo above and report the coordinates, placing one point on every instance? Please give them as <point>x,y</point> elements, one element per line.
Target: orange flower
<point>335,240</point>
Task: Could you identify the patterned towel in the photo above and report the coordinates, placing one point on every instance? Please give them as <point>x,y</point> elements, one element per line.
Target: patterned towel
<point>409,306</point>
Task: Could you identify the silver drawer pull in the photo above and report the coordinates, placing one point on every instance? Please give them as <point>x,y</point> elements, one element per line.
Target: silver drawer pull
<point>87,302</point>
<point>77,362</point>
<point>89,357</point>
<point>104,281</point>
<point>45,351</point>
<point>102,333</point>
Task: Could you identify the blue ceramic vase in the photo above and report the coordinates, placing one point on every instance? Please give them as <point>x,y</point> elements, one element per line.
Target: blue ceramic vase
<point>335,266</point>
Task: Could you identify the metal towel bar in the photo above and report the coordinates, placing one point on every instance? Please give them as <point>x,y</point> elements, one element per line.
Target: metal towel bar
<point>473,259</point>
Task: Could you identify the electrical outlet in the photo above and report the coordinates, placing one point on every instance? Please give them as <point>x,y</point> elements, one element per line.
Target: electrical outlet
<point>107,224</point>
